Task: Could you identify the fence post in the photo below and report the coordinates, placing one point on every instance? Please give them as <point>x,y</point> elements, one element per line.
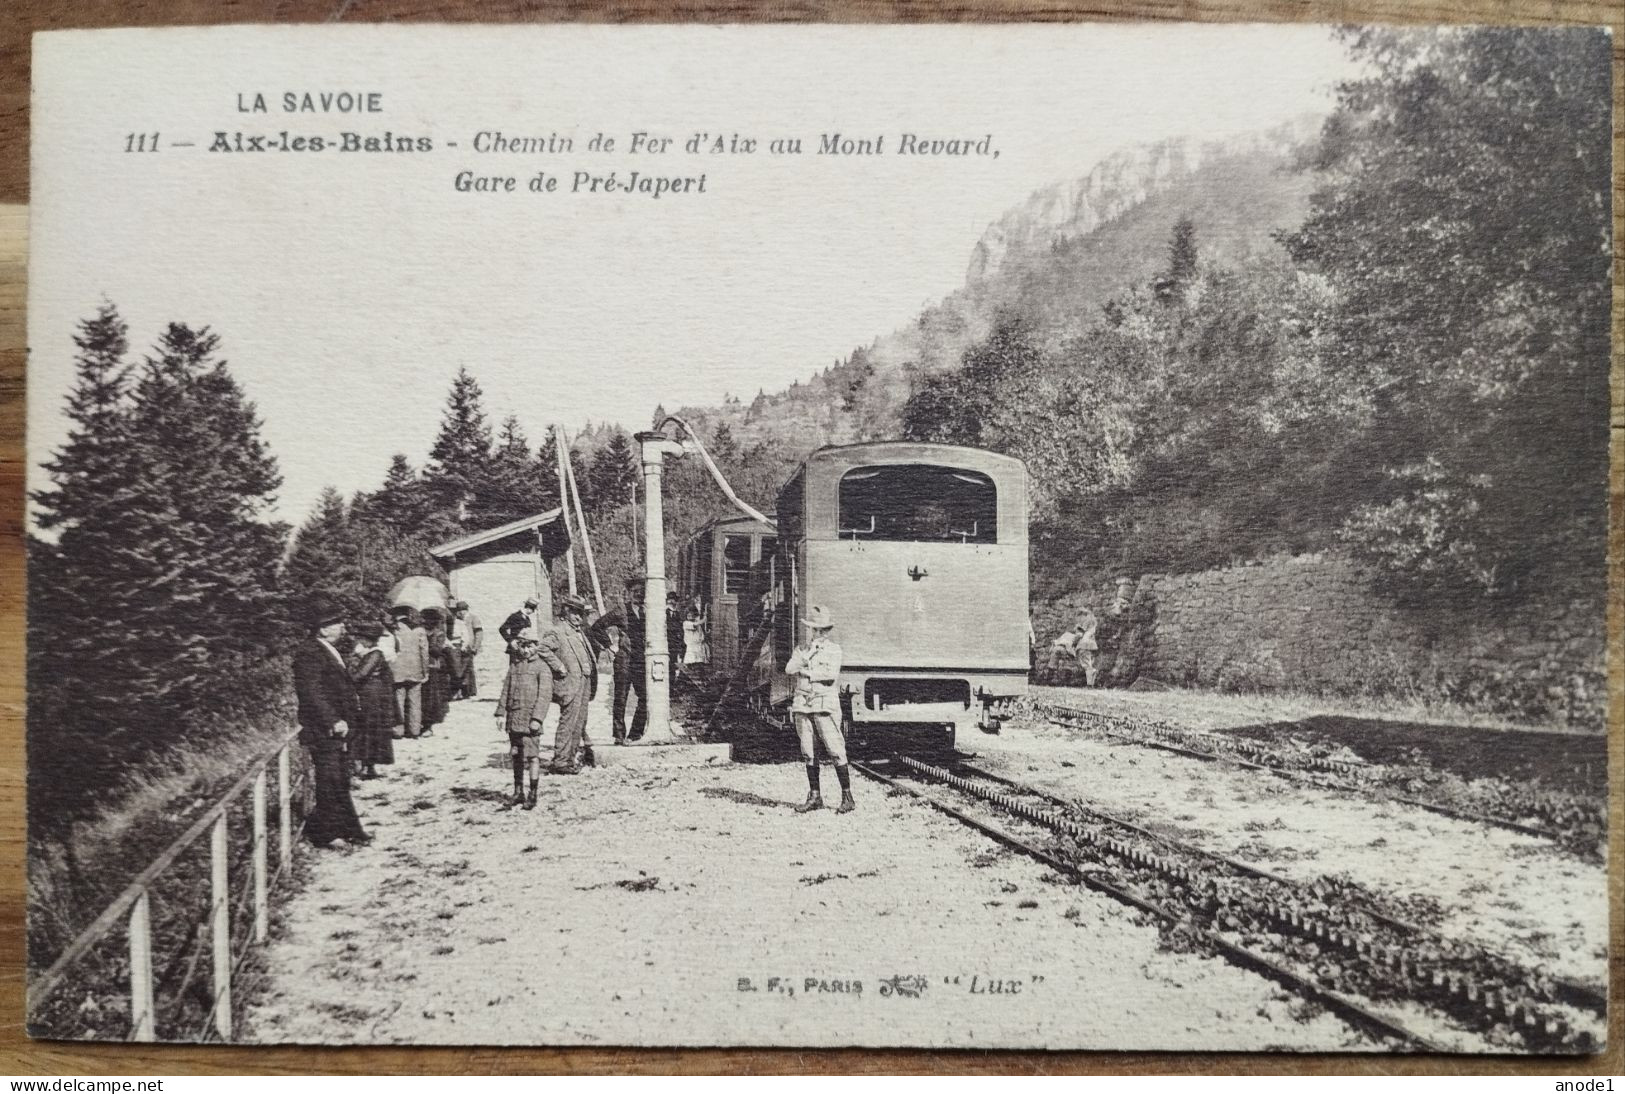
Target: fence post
<point>141,1017</point>
<point>262,905</point>
<point>284,807</point>
<point>220,894</point>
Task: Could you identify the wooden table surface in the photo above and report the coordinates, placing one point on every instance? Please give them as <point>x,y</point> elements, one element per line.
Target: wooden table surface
<point>19,1056</point>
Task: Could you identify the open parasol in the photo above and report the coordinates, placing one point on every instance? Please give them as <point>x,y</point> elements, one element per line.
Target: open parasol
<point>418,592</point>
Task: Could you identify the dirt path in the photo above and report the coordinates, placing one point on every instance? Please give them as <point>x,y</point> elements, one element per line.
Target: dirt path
<point>641,899</point>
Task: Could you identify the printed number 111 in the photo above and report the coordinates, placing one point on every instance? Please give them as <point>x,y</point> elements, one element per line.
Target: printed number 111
<point>141,142</point>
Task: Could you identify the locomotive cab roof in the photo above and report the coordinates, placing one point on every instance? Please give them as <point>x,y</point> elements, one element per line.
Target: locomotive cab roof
<point>907,452</point>
<point>802,503</point>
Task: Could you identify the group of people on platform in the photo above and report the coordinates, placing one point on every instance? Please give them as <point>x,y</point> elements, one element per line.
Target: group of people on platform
<point>431,655</point>
<point>397,677</point>
<point>361,686</point>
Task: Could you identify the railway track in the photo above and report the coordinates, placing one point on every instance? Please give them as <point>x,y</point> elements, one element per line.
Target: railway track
<point>1354,776</point>
<point>1327,944</point>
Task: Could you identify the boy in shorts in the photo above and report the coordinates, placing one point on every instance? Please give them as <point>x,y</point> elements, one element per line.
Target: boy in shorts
<point>521,708</point>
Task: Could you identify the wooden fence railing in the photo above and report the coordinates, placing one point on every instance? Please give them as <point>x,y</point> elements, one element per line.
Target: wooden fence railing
<point>133,906</point>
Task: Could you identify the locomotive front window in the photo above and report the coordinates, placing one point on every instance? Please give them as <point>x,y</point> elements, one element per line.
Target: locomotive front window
<point>918,503</point>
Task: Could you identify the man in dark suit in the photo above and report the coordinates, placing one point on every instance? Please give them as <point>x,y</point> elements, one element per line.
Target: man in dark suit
<point>628,659</point>
<point>327,708</point>
<point>575,682</point>
<point>517,624</point>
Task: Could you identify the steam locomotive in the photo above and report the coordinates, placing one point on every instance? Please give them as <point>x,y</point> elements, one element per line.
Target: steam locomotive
<point>918,550</point>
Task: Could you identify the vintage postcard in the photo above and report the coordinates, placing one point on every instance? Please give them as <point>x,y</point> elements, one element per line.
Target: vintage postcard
<point>964,536</point>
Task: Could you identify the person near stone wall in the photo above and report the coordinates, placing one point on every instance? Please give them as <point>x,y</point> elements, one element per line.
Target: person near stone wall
<point>1129,629</point>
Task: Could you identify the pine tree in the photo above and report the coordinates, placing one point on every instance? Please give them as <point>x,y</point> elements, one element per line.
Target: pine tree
<point>583,479</point>
<point>1181,259</point>
<point>513,485</point>
<point>547,474</point>
<point>461,457</point>
<point>69,609</point>
<point>402,502</point>
<point>392,534</point>
<point>724,449</point>
<point>614,473</point>
<point>326,560</point>
<point>207,480</point>
<point>512,439</point>
<point>97,410</point>
<point>164,595</point>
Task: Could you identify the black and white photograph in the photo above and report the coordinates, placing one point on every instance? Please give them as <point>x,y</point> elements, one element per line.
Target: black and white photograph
<point>937,537</point>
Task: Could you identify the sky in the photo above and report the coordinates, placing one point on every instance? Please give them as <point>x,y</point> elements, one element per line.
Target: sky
<point>348,288</point>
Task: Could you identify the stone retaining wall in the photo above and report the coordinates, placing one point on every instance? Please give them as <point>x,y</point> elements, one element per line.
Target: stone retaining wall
<point>1314,623</point>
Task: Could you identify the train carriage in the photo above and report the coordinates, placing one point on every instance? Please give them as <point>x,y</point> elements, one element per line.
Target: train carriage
<point>920,552</point>
<point>714,570</point>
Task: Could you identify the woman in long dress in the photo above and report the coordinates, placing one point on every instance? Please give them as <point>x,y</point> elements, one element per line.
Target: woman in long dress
<point>377,715</point>
<point>696,647</point>
<point>437,688</point>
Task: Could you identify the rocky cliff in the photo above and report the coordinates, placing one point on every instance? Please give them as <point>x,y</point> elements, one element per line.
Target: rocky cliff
<point>1122,181</point>
<point>1058,257</point>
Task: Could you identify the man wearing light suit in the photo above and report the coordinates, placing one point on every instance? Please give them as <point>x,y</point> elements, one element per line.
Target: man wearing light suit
<point>816,708</point>
<point>573,687</point>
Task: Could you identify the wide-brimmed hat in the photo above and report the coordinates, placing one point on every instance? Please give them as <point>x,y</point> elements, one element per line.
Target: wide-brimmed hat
<point>436,612</point>
<point>531,602</point>
<point>572,603</point>
<point>322,613</point>
<point>460,606</point>
<point>368,629</point>
<point>818,618</point>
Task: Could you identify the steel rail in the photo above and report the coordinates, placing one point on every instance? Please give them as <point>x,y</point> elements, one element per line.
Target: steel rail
<point>1461,989</point>
<point>1569,991</point>
<point>1349,1009</point>
<point>1111,818</point>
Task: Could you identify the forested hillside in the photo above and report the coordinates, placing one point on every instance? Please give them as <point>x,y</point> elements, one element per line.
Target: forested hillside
<point>1386,333</point>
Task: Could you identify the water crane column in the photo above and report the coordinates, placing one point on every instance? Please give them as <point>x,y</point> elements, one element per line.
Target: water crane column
<point>654,448</point>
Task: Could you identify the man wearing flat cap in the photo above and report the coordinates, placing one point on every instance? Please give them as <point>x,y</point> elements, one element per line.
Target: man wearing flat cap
<point>816,707</point>
<point>327,710</point>
<point>573,687</point>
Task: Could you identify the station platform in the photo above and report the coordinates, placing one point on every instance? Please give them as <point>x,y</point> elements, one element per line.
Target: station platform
<point>672,752</point>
